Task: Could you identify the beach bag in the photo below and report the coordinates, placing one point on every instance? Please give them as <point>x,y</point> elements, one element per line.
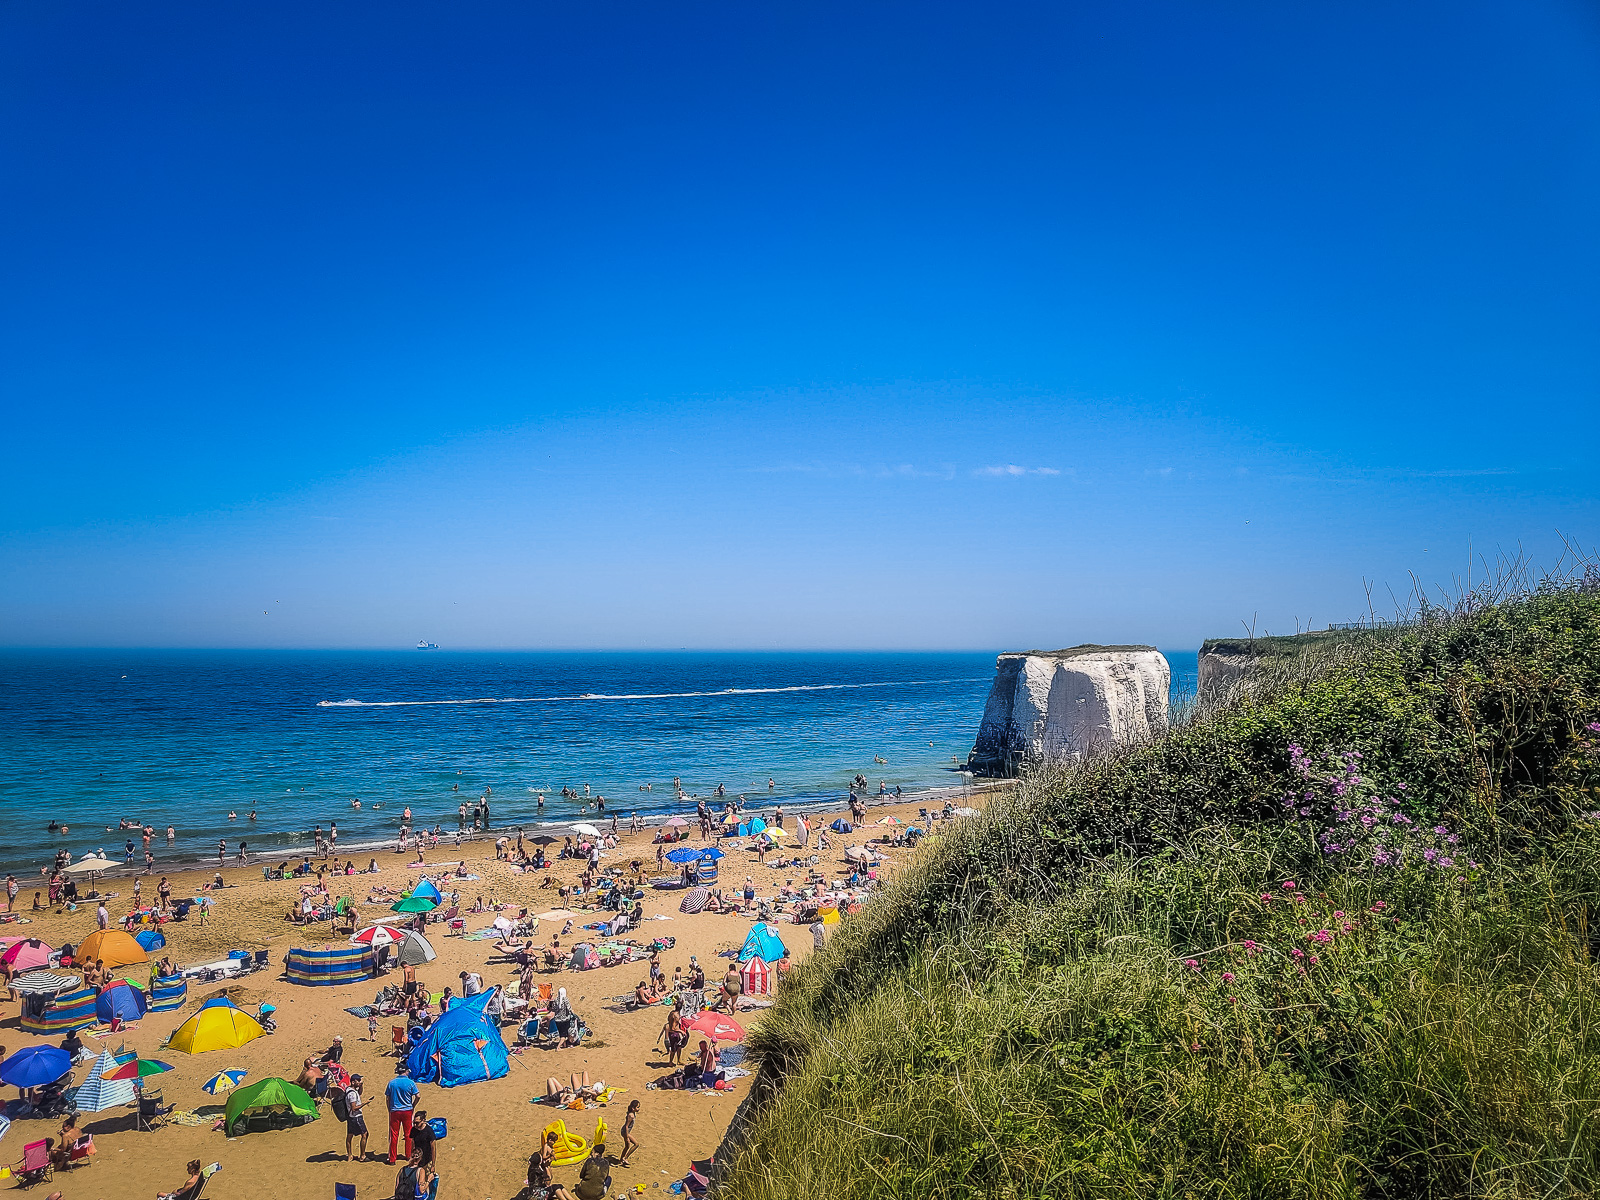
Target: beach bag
<point>336,1101</point>
<point>439,1128</point>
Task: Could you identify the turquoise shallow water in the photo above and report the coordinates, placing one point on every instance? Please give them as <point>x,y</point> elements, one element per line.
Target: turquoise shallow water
<point>182,738</point>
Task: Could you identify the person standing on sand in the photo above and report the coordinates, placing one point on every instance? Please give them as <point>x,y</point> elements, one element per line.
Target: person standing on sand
<point>355,1123</point>
<point>11,893</point>
<point>401,1095</point>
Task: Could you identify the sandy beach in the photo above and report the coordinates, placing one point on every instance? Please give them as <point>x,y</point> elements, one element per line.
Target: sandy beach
<point>493,1127</point>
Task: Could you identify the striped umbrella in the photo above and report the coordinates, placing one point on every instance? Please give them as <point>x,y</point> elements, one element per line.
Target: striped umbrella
<point>139,1068</point>
<point>46,982</point>
<point>695,901</point>
<point>223,1082</point>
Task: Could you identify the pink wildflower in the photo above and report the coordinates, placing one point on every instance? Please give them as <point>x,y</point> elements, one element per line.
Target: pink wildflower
<point>1227,977</point>
<point>1288,885</point>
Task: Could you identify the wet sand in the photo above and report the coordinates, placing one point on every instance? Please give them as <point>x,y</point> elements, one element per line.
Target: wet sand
<point>492,1126</point>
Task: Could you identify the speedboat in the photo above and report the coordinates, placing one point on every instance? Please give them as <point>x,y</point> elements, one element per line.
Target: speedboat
<point>427,646</point>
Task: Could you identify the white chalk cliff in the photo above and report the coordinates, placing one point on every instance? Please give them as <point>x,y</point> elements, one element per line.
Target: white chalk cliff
<point>1055,704</point>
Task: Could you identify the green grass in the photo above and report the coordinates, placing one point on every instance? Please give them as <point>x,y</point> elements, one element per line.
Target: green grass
<point>1018,1016</point>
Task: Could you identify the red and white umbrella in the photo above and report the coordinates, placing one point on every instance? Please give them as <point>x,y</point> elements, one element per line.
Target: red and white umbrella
<point>717,1027</point>
<point>379,935</point>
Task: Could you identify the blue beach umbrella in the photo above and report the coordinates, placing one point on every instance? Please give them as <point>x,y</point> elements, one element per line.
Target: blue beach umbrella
<point>712,853</point>
<point>683,855</point>
<point>35,1066</point>
<point>225,1081</point>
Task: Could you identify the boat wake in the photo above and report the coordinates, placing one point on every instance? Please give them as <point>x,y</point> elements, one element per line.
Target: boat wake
<point>799,687</point>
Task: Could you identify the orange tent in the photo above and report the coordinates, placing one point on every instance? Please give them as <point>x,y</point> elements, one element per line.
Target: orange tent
<point>112,947</point>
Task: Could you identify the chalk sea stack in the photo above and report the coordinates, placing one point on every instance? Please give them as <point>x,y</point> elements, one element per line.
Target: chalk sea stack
<point>1057,704</point>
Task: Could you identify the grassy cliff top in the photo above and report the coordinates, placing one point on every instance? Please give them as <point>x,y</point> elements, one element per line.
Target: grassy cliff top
<point>1073,651</point>
<point>1190,967</point>
<point>1290,644</point>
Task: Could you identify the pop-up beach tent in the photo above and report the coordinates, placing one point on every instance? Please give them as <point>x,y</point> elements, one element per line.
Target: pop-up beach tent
<point>755,977</point>
<point>414,950</point>
<point>112,947</point>
<point>426,889</point>
<point>119,1000</point>
<point>220,1028</point>
<point>469,1046</point>
<point>762,942</point>
<point>328,966</point>
<point>278,1101</point>
<point>150,939</point>
<point>29,954</point>
<point>99,1093</point>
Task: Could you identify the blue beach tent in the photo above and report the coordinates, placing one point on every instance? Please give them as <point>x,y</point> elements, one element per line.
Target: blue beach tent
<point>842,826</point>
<point>762,942</point>
<point>120,1000</point>
<point>150,939</point>
<point>468,1044</point>
<point>427,891</point>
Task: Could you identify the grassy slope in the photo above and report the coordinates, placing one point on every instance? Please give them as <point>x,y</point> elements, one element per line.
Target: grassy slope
<point>1017,1016</point>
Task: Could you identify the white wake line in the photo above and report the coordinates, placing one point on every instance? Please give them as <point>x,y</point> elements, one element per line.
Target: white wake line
<point>804,687</point>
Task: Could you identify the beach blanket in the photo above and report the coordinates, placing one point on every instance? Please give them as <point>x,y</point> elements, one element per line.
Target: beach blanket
<point>435,866</point>
<point>184,1117</point>
<point>363,1011</point>
<point>481,935</point>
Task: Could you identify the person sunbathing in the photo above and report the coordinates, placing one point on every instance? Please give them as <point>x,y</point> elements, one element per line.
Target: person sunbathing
<point>645,995</point>
<point>189,1187</point>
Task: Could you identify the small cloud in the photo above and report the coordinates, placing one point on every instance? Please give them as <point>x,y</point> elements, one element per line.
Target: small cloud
<point>1012,471</point>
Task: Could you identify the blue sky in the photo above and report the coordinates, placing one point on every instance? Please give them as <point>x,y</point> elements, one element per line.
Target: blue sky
<point>818,326</point>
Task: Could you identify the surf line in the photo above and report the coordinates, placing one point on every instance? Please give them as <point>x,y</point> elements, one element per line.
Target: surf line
<point>801,687</point>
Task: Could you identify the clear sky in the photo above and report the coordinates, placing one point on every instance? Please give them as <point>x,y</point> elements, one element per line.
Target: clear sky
<point>758,325</point>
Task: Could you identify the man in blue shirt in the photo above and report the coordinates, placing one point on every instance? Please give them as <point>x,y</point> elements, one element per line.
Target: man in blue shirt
<point>401,1096</point>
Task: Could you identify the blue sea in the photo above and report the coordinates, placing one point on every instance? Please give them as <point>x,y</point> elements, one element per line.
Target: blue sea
<point>182,738</point>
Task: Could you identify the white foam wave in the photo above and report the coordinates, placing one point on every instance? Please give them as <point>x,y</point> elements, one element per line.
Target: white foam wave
<point>800,687</point>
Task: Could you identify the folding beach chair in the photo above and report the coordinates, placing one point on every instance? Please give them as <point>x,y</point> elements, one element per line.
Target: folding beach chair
<point>35,1166</point>
<point>151,1113</point>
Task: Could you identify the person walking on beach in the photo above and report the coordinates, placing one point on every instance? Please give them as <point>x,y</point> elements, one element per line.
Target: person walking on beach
<point>401,1095</point>
<point>222,851</point>
<point>11,893</point>
<point>630,1144</point>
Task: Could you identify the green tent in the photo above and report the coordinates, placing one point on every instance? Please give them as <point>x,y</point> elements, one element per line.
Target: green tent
<point>414,904</point>
<point>270,1104</point>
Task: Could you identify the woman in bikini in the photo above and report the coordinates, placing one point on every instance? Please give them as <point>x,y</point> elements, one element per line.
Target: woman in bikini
<point>630,1144</point>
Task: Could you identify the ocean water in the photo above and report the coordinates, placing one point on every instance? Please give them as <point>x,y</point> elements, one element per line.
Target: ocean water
<point>182,738</point>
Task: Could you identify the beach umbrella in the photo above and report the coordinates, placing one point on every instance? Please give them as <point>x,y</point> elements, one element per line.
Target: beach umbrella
<point>712,853</point>
<point>89,864</point>
<point>35,1066</point>
<point>378,935</point>
<point>223,1081</point>
<point>716,1027</point>
<point>46,983</point>
<point>891,820</point>
<point>27,956</point>
<point>543,839</point>
<point>555,914</point>
<point>684,854</point>
<point>586,830</point>
<point>414,904</point>
<point>676,823</point>
<point>773,833</point>
<point>857,853</point>
<point>139,1068</point>
<point>695,901</point>
<point>504,924</point>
